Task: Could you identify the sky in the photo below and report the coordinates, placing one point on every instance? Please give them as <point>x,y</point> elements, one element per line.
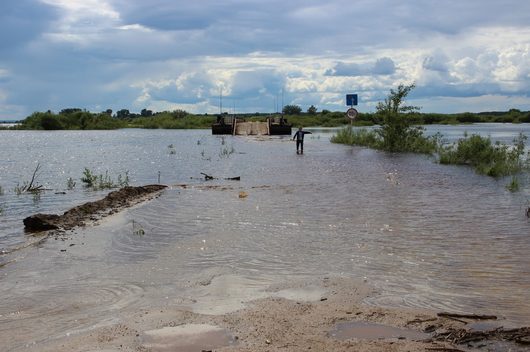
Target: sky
<point>163,55</point>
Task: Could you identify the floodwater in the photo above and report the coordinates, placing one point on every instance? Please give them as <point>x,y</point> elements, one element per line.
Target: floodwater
<point>425,235</point>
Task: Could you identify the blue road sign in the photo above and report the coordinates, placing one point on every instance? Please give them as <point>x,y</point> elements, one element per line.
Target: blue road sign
<point>351,99</point>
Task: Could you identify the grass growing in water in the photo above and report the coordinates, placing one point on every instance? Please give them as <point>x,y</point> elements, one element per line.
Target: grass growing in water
<point>350,136</point>
<point>414,142</point>
<point>513,186</point>
<point>226,151</point>
<point>486,157</point>
<point>99,182</point>
<point>138,229</point>
<point>70,183</point>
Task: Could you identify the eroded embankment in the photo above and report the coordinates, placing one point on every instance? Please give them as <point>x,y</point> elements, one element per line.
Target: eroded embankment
<point>91,211</point>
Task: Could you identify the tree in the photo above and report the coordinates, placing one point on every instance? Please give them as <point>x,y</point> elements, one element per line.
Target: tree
<point>146,113</point>
<point>312,110</point>
<point>397,131</point>
<point>292,110</point>
<point>69,111</point>
<point>51,122</point>
<point>122,114</point>
<point>179,114</point>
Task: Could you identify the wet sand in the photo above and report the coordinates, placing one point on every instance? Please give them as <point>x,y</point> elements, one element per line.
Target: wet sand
<point>326,314</point>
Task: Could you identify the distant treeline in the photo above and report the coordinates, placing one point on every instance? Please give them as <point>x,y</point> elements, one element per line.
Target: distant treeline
<point>78,119</point>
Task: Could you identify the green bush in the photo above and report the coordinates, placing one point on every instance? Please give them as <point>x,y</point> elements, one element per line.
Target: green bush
<point>492,159</point>
<point>362,137</point>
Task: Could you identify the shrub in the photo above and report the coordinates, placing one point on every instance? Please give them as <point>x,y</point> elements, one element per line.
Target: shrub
<point>351,136</point>
<point>492,159</point>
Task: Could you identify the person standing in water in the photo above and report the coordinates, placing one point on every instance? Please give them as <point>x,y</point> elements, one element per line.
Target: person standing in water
<point>299,136</point>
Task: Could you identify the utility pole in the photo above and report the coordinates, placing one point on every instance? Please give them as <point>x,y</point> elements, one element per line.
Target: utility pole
<point>221,100</point>
<point>282,101</point>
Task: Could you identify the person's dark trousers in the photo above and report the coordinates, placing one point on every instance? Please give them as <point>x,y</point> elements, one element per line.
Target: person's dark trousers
<point>300,145</point>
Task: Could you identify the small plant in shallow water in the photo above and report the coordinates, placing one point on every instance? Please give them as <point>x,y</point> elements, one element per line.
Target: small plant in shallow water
<point>19,189</point>
<point>70,183</point>
<point>513,186</point>
<point>123,181</point>
<point>226,151</point>
<point>103,181</point>
<point>138,230</point>
<point>36,197</point>
<point>30,187</point>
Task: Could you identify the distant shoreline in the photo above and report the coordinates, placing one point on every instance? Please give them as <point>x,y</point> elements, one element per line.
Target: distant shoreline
<point>77,119</point>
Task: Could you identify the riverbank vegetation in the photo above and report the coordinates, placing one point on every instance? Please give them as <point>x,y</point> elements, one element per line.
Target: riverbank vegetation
<point>398,132</point>
<point>78,119</point>
<point>486,157</point>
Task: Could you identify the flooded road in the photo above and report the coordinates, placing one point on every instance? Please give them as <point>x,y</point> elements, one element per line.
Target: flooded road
<point>425,235</point>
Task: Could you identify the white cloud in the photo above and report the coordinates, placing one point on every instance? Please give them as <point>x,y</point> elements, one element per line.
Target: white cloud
<point>382,66</point>
<point>134,54</point>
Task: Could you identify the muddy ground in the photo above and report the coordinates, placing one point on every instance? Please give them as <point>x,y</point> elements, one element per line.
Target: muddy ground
<point>92,211</point>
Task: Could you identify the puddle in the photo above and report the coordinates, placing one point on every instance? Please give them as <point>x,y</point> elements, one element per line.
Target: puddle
<point>224,294</point>
<point>187,338</point>
<point>486,325</point>
<point>373,331</point>
<point>308,294</point>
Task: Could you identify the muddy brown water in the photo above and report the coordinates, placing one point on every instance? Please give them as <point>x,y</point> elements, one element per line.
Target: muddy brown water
<point>425,235</point>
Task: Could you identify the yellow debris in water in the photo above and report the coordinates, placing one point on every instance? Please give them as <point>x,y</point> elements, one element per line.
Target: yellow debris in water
<point>243,194</point>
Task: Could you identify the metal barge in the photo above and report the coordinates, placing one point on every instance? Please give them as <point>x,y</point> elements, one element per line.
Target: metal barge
<point>234,126</point>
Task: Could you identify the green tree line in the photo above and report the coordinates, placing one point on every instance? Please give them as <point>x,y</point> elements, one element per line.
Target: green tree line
<point>78,119</point>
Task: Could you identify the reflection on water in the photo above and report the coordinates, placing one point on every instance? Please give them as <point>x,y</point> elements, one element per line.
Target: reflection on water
<point>426,235</point>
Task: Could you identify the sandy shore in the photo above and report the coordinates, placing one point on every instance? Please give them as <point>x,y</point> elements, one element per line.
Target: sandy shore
<point>326,314</point>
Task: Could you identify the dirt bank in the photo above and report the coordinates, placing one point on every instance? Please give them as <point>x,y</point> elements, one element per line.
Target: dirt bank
<point>91,211</point>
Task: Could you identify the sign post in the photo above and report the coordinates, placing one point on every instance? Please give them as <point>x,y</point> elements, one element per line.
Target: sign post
<point>351,100</point>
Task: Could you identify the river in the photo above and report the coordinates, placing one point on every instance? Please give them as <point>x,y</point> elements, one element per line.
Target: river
<point>425,235</point>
